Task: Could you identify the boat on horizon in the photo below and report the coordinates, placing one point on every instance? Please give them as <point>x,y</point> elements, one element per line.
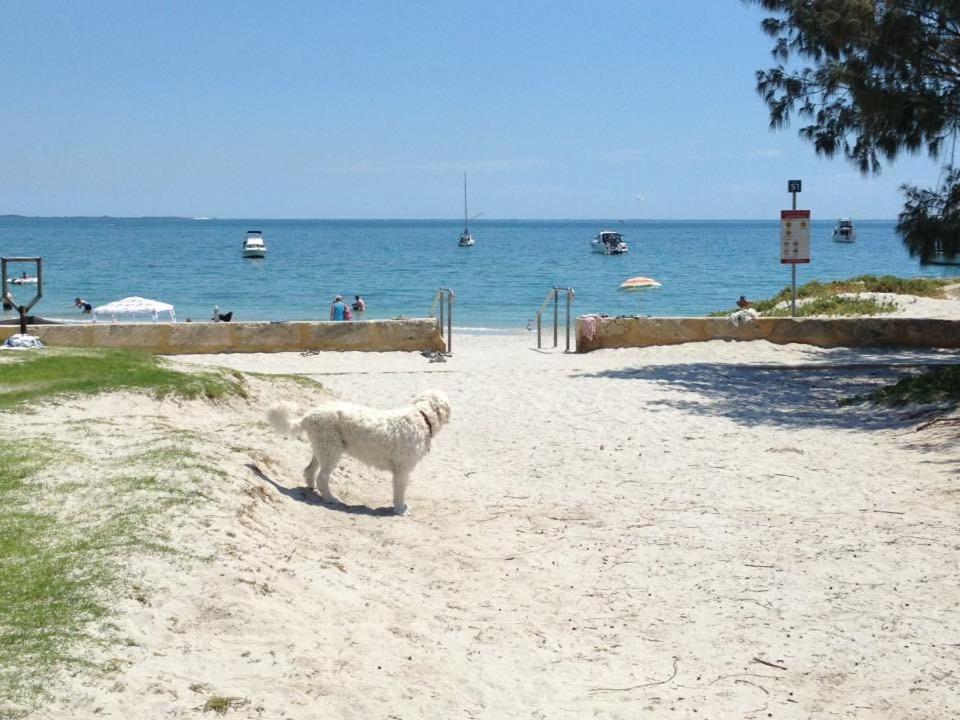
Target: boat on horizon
<point>253,245</point>
<point>466,239</point>
<point>844,231</point>
<point>609,242</point>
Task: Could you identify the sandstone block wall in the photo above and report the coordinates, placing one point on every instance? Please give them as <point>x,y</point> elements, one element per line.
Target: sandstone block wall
<point>823,332</point>
<point>207,337</point>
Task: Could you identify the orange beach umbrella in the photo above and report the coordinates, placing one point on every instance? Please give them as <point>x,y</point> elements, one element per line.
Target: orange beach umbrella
<point>638,283</point>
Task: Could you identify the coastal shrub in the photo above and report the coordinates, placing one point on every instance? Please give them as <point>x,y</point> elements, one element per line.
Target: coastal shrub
<point>925,287</point>
<point>835,306</point>
<point>938,385</point>
<point>829,305</point>
<point>37,376</point>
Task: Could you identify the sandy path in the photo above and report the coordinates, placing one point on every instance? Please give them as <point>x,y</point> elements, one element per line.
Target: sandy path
<point>688,531</point>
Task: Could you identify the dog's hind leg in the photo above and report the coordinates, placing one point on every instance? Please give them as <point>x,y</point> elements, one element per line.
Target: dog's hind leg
<point>310,473</point>
<point>401,478</point>
<point>328,464</point>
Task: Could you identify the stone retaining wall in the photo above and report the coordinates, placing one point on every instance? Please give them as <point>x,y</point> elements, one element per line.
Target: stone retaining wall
<point>208,337</point>
<point>823,332</point>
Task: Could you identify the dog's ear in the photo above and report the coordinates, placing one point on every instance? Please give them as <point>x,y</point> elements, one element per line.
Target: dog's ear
<point>440,405</point>
<point>436,401</point>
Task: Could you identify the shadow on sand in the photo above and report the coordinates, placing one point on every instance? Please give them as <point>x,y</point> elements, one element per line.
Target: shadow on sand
<point>786,396</point>
<point>310,497</point>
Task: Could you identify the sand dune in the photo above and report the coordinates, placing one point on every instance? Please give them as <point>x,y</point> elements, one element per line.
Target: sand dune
<point>685,531</point>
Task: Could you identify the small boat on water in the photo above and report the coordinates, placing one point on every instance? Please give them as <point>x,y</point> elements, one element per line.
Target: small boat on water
<point>466,239</point>
<point>22,280</point>
<point>844,231</point>
<point>609,242</point>
<point>253,245</point>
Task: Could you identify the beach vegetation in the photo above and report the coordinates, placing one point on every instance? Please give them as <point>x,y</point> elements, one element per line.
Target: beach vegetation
<point>839,297</point>
<point>67,533</point>
<point>938,385</point>
<point>220,704</point>
<point>872,81</point>
<point>834,306</point>
<point>40,376</point>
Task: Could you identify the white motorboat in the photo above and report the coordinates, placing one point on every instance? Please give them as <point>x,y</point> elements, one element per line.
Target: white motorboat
<point>23,280</point>
<point>844,231</point>
<point>253,245</point>
<point>466,239</point>
<point>609,242</point>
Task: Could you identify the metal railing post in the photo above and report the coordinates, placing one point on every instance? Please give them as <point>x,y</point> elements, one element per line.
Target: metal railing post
<point>441,315</point>
<point>554,295</point>
<point>450,321</point>
<point>448,295</point>
<point>556,305</point>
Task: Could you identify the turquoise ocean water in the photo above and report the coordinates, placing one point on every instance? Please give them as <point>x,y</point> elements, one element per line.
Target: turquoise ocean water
<point>398,265</point>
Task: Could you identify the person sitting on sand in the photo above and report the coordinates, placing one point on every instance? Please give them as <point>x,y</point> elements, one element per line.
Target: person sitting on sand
<point>743,302</point>
<point>358,304</point>
<point>221,317</point>
<point>85,307</point>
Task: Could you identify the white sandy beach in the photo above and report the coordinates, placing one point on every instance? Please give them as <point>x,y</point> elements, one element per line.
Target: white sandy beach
<point>686,531</point>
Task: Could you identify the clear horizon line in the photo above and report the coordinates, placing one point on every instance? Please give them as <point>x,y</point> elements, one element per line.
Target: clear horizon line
<point>202,218</point>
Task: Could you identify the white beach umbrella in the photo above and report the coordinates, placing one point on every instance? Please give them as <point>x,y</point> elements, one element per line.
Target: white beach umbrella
<point>135,306</point>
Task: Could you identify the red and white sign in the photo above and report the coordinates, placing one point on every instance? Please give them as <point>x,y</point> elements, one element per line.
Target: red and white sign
<point>794,237</point>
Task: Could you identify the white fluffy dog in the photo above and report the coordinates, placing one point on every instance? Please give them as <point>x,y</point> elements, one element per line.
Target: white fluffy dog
<point>394,440</point>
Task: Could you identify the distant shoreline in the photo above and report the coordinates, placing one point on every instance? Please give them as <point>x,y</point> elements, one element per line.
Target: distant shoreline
<point>478,221</point>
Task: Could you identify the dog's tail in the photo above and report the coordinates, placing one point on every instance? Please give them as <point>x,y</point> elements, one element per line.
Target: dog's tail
<point>279,418</point>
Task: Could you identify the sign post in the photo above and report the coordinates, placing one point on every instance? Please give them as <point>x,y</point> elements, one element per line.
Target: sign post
<point>794,239</point>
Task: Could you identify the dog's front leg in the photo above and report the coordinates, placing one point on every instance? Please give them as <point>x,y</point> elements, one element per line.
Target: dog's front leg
<point>400,481</point>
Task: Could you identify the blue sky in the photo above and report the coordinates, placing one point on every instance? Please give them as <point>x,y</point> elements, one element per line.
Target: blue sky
<point>348,109</point>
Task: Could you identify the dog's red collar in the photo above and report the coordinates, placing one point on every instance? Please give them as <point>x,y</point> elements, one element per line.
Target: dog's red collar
<point>427,421</point>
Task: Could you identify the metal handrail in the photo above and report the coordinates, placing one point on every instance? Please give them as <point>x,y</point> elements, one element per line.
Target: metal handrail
<point>554,295</point>
<point>438,298</point>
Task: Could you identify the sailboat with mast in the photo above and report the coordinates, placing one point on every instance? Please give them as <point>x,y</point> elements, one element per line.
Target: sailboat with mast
<point>466,239</point>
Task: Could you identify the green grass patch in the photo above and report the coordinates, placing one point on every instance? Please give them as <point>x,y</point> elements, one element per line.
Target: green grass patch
<point>940,385</point>
<point>48,584</point>
<point>824,291</point>
<point>48,374</point>
<point>62,564</point>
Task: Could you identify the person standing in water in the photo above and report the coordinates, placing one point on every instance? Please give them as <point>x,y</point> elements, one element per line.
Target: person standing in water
<point>338,311</point>
<point>85,307</point>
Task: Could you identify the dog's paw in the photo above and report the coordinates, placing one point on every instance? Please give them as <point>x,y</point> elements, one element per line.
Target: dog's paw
<point>401,510</point>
